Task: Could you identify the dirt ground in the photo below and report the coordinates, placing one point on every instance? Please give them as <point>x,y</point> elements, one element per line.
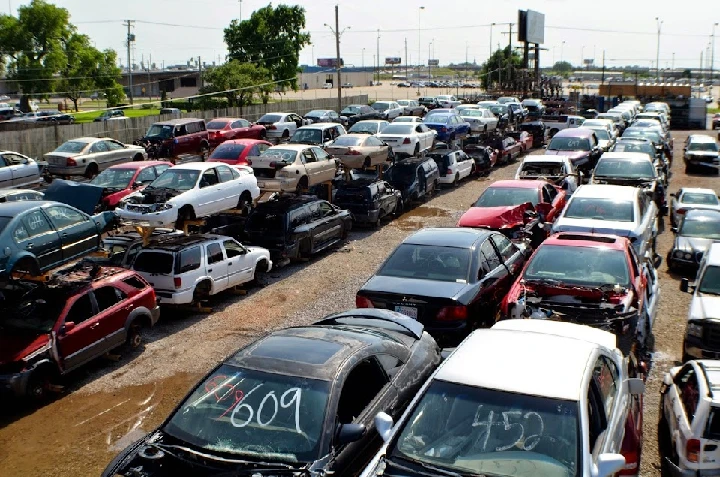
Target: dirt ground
<point>112,402</point>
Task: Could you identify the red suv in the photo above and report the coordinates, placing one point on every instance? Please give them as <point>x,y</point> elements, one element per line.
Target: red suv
<point>170,139</point>
<point>53,329</point>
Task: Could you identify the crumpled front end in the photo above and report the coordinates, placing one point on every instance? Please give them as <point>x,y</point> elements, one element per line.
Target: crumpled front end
<point>149,209</point>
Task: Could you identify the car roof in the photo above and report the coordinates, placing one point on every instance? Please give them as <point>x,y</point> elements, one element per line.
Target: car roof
<point>180,242</point>
<point>293,147</point>
<point>602,191</point>
<point>713,254</point>
<point>11,209</point>
<point>319,126</point>
<point>634,139</point>
<point>175,122</point>
<point>561,159</point>
<point>698,190</point>
<point>518,183</point>
<point>629,156</point>
<point>700,138</point>
<point>703,214</point>
<point>139,164</point>
<point>583,239</point>
<point>448,237</point>
<point>246,141</point>
<point>372,121</point>
<point>86,139</point>
<point>225,119</point>
<point>195,166</point>
<point>557,372</point>
<point>285,203</point>
<point>575,132</point>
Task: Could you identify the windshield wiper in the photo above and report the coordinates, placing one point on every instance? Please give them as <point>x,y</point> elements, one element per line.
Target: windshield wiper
<point>431,469</point>
<point>214,458</point>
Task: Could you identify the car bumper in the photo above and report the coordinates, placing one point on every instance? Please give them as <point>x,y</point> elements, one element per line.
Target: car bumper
<point>448,335</point>
<point>14,384</point>
<point>155,315</point>
<point>66,171</point>
<point>446,179</point>
<point>702,161</point>
<point>172,297</point>
<point>695,348</point>
<point>352,162</point>
<point>163,218</point>
<point>366,217</point>
<point>277,185</point>
<point>275,133</point>
<point>682,263</point>
<point>403,148</point>
<point>476,128</point>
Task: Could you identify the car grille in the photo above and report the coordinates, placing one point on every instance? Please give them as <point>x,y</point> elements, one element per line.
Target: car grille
<point>143,209</point>
<point>711,336</point>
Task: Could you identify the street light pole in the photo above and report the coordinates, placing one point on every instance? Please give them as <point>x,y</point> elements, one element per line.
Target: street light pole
<point>562,48</point>
<point>712,53</point>
<point>419,54</point>
<point>336,31</point>
<point>657,54</point>
<point>491,28</point>
<point>378,56</point>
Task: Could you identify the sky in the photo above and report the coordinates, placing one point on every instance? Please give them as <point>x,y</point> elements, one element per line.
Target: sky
<point>174,31</point>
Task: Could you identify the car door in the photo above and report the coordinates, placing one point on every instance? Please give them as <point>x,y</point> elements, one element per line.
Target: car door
<point>79,338</point>
<point>464,164</point>
<point>324,165</point>
<point>512,257</point>
<point>22,171</point>
<point>117,154</point>
<point>211,197</point>
<point>78,233</point>
<point>229,186</point>
<point>35,234</point>
<point>113,310</point>
<point>680,405</point>
<point>217,267</point>
<point>239,263</point>
<point>98,152</point>
<point>493,278</point>
<point>6,175</point>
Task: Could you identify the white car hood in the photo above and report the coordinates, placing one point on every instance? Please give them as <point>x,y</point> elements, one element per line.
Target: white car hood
<point>705,307</point>
<point>594,226</point>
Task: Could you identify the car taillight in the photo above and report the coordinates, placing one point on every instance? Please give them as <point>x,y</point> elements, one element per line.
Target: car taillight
<point>680,211</point>
<point>692,450</point>
<point>272,126</point>
<point>178,282</point>
<point>453,313</point>
<point>272,165</point>
<point>406,141</point>
<point>362,302</point>
<point>71,162</point>
<point>631,463</point>
<point>353,152</point>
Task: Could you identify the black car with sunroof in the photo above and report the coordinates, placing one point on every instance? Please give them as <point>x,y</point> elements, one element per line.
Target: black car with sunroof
<point>299,401</point>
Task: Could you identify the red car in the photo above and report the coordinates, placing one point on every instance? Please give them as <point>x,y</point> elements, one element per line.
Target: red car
<point>524,138</point>
<point>123,179</point>
<point>223,129</point>
<point>508,149</point>
<point>504,207</point>
<point>596,280</point>
<point>87,312</point>
<point>236,152</point>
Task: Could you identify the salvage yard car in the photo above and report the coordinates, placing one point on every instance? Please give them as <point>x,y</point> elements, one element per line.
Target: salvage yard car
<point>369,200</point>
<point>412,107</point>
<point>224,129</point>
<point>121,180</point>
<point>238,152</point>
<point>697,230</point>
<point>359,112</point>
<point>558,170</point>
<point>189,269</point>
<point>368,126</point>
<point>448,124</point>
<point>563,412</point>
<point>408,138</point>
<point>702,334</point>
<point>417,178</point>
<point>293,167</point>
<point>297,227</point>
<point>281,125</point>
<point>299,401</point>
<point>190,191</point>
<point>356,151</point>
<point>688,198</point>
<point>87,156</point>
<point>701,151</point>
<point>635,169</point>
<point>317,134</point>
<point>17,170</point>
<point>176,137</point>
<point>449,279</point>
<point>453,166</point>
<point>56,328</point>
<point>580,145</point>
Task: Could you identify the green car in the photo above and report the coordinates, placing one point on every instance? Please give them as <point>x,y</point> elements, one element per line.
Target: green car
<point>36,236</point>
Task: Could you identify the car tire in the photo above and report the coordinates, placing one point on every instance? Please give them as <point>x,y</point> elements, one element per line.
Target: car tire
<point>138,157</point>
<point>202,291</point>
<point>259,279</point>
<point>204,151</point>
<point>263,135</point>
<point>245,203</point>
<point>552,132</point>
<point>38,385</point>
<point>184,214</point>
<point>134,338</point>
<point>456,182</point>
<point>302,185</point>
<point>399,208</point>
<point>91,170</point>
<point>286,134</point>
<point>27,266</point>
<point>366,163</point>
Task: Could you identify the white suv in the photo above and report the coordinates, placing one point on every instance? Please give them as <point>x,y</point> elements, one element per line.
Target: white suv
<point>189,269</point>
<point>561,411</point>
<point>702,335</point>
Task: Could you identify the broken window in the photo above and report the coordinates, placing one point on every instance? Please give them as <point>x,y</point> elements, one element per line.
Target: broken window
<point>80,311</point>
<point>107,297</point>
<point>363,383</point>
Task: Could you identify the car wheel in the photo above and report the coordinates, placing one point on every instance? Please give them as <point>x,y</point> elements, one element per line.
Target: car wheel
<point>552,132</point>
<point>184,214</point>
<point>38,385</point>
<point>456,182</point>
<point>417,150</point>
<point>245,203</point>
<point>91,170</point>
<point>286,134</point>
<point>134,339</point>
<point>263,134</point>
<point>302,185</point>
<point>259,280</point>
<point>366,164</point>
<point>399,207</point>
<point>202,291</point>
<point>204,150</point>
<point>138,157</point>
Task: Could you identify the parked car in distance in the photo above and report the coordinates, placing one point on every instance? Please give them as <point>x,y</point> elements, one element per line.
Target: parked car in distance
<point>447,100</point>
<point>453,166</point>
<point>698,229</point>
<point>347,85</point>
<point>317,134</point>
<point>346,368</point>
<point>224,129</point>
<point>357,151</point>
<point>688,198</point>
<point>551,397</point>
<point>449,279</point>
<point>429,102</point>
<point>294,227</point>
<point>175,112</point>
<point>239,152</point>
<point>448,124</point>
<point>412,107</point>
<point>388,110</point>
<point>86,313</point>
<point>87,156</point>
<point>701,151</point>
<point>18,170</point>
<point>369,126</point>
<point>121,180</point>
<point>190,191</point>
<point>56,118</point>
<point>407,138</point>
<point>177,137</point>
<point>322,116</point>
<point>111,115</point>
<point>293,167</point>
<point>416,178</point>
<point>190,269</point>
<point>281,125</point>
<point>369,200</point>
<point>359,112</point>
<point>702,330</point>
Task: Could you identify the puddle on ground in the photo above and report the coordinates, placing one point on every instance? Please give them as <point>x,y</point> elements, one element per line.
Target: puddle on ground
<point>79,434</point>
<point>417,217</point>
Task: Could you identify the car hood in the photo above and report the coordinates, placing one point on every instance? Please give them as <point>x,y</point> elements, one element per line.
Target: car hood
<point>495,217</point>
<point>703,153</point>
<point>413,286</point>
<point>16,346</point>
<point>569,293</point>
<point>704,307</point>
<point>693,244</point>
<point>623,229</point>
<point>573,155</point>
<point>82,196</point>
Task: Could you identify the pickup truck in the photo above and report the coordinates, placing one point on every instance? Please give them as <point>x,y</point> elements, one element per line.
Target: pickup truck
<point>553,124</point>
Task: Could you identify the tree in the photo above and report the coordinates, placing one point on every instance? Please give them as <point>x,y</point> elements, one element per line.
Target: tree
<point>562,67</point>
<point>271,39</point>
<point>501,68</point>
<point>237,82</point>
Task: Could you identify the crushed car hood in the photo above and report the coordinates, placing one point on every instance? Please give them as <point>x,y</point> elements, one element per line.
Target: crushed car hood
<point>495,218</point>
<point>575,293</point>
<point>85,197</point>
<point>705,307</point>
<point>16,346</point>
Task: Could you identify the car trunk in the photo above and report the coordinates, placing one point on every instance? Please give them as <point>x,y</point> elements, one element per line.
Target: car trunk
<point>60,158</point>
<point>354,200</point>
<point>157,268</point>
<point>265,166</point>
<point>392,140</point>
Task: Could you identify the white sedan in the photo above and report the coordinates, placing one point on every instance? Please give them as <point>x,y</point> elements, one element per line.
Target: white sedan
<point>17,170</point>
<point>691,198</point>
<point>408,138</point>
<point>480,120</point>
<point>190,191</point>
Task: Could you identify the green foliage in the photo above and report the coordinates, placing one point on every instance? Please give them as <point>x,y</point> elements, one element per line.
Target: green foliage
<point>114,95</point>
<point>562,68</point>
<point>501,68</point>
<point>271,39</point>
<point>237,82</point>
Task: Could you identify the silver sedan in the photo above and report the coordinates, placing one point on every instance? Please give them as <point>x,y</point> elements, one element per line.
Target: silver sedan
<point>691,198</point>
<point>90,155</point>
<point>17,170</point>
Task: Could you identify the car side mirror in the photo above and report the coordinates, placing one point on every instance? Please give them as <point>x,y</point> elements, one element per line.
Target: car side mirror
<point>137,184</point>
<point>684,285</point>
<point>383,425</point>
<point>608,464</point>
<point>674,229</point>
<point>636,386</point>
<point>68,327</point>
<point>350,433</point>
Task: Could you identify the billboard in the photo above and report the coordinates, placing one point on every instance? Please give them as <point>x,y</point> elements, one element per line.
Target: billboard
<point>531,26</point>
<point>329,62</point>
<point>393,60</point>
<point>433,62</point>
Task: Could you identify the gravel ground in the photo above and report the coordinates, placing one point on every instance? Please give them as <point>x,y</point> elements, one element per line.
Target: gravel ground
<point>110,402</point>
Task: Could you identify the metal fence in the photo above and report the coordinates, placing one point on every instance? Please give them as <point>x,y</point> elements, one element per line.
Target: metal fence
<point>37,139</point>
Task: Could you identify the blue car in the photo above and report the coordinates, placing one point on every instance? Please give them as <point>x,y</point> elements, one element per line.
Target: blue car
<point>448,124</point>
<point>36,236</point>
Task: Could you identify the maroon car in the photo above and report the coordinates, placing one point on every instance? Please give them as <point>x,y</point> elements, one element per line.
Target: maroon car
<point>580,145</point>
<point>224,129</point>
<point>236,152</point>
<point>123,179</point>
<point>53,330</point>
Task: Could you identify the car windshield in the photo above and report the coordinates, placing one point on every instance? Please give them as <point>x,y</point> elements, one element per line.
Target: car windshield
<point>600,209</point>
<point>270,223</point>
<point>227,151</point>
<point>627,146</point>
<point>625,168</point>
<point>601,133</point>
<point>703,146</point>
<point>177,179</point>
<point>114,178</point>
<point>506,196</point>
<point>700,228</point>
<point>478,431</point>
<point>72,147</point>
<point>254,414</point>
<point>710,281</point>
<point>316,112</point>
<point>428,262</point>
<point>437,118</point>
<point>646,133</point>
<point>217,124</point>
<point>380,106</point>
<point>351,110</point>
<point>307,136</point>
<point>347,141</point>
<point>164,131</point>
<point>149,261</point>
<point>364,128</point>
<point>398,129</point>
<point>35,315</point>
<point>569,144</point>
<point>546,169</point>
<point>699,198</point>
<point>600,266</point>
<point>270,118</point>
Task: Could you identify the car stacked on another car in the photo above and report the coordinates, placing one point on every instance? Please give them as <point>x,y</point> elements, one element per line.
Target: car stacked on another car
<point>448,124</point>
<point>416,178</point>
<point>322,116</point>
<point>121,180</point>
<point>453,166</point>
<point>177,137</point>
<point>388,110</point>
<point>408,138</point>
<point>412,107</point>
<point>281,125</point>
<point>558,170</point>
<point>634,169</point>
<point>369,200</point>
<point>317,134</point>
<point>239,152</point>
<point>293,167</point>
<point>580,145</point>
<point>355,151</point>
<point>17,170</point>
<point>369,126</point>
<point>224,129</point>
<point>359,112</point>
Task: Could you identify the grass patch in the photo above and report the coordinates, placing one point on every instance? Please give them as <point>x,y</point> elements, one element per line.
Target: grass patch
<point>713,110</point>
<point>131,113</point>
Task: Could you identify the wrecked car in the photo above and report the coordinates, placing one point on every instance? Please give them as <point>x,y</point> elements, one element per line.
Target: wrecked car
<point>121,180</point>
<point>697,231</point>
<point>635,169</point>
<point>369,200</point>
<point>119,250</point>
<point>596,280</point>
<point>558,170</point>
<point>299,401</point>
<point>485,157</point>
<point>190,191</point>
<point>55,328</point>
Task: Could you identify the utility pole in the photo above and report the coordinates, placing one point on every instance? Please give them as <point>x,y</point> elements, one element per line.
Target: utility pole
<point>602,81</point>
<point>657,53</point>
<point>712,54</point>
<point>200,66</point>
<point>406,61</point>
<point>130,39</point>
<point>240,17</point>
<point>337,48</point>
<point>378,56</point>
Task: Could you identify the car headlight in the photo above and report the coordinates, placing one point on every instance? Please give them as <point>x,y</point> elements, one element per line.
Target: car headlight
<point>687,256</point>
<point>694,329</point>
